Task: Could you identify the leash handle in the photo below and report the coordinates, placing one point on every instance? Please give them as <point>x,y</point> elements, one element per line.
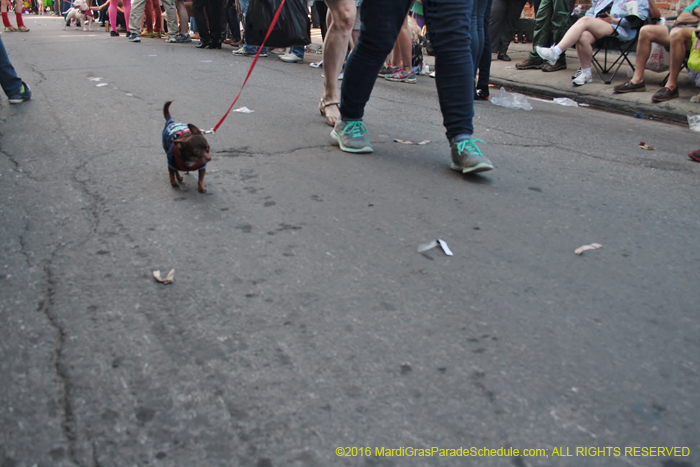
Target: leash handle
<point>252,66</point>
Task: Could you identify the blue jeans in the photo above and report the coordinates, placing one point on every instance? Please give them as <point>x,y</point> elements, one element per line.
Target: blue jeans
<point>298,51</point>
<point>484,63</point>
<point>251,49</point>
<point>9,81</point>
<point>448,23</point>
<point>478,30</point>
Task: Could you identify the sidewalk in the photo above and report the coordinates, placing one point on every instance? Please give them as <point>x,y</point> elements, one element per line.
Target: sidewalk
<point>597,93</point>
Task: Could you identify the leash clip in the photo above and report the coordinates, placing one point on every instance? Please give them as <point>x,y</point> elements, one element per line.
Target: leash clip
<point>209,132</point>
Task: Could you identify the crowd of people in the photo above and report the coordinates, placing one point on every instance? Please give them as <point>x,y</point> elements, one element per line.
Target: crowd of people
<point>388,44</point>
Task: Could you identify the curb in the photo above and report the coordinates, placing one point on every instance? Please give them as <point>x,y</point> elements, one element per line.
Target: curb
<point>650,112</point>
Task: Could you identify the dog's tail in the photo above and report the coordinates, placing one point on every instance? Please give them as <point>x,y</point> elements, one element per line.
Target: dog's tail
<point>166,110</point>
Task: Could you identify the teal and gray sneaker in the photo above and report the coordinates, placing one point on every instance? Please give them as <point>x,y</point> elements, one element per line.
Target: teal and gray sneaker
<point>467,158</point>
<point>352,136</point>
<point>24,94</point>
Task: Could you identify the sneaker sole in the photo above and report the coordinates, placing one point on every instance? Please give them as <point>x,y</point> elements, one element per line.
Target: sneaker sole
<point>364,150</point>
<point>481,167</point>
<point>409,81</point>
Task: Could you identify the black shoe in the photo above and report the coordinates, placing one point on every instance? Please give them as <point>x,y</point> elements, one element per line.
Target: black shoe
<point>203,45</point>
<point>503,57</point>
<point>481,93</point>
<point>214,45</point>
<point>114,34</point>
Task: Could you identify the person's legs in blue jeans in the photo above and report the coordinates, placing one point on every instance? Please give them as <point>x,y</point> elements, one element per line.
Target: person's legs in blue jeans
<point>298,51</point>
<point>448,26</point>
<point>484,66</point>
<point>13,86</point>
<point>381,22</point>
<point>448,23</point>
<point>9,80</point>
<point>478,31</point>
<point>249,49</point>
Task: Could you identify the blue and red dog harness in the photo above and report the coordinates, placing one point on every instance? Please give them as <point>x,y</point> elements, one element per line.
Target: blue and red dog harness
<point>172,131</point>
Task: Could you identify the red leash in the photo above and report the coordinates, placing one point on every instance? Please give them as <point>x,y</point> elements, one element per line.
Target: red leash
<point>252,66</point>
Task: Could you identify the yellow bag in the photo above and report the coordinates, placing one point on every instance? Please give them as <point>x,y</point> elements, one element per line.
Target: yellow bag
<point>694,58</point>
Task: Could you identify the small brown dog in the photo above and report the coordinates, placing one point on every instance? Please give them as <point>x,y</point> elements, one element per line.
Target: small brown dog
<point>187,149</point>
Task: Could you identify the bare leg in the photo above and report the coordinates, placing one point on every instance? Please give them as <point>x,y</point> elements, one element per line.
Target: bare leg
<point>680,42</point>
<point>647,35</point>
<point>184,17</point>
<point>595,26</point>
<point>405,46</point>
<point>342,17</point>
<point>584,49</point>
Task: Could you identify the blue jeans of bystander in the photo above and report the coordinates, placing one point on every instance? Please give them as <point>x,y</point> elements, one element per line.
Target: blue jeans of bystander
<point>251,49</point>
<point>9,81</point>
<point>448,23</point>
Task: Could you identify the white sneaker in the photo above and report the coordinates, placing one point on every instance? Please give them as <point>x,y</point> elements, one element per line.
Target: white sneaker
<point>547,54</point>
<point>291,58</point>
<point>582,79</point>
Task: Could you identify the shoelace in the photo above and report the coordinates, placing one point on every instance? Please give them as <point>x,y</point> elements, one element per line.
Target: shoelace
<point>356,129</point>
<point>469,145</point>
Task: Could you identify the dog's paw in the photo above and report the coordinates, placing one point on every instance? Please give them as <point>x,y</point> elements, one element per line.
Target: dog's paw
<point>695,99</point>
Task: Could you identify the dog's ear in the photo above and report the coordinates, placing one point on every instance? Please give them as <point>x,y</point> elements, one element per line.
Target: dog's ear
<point>193,129</point>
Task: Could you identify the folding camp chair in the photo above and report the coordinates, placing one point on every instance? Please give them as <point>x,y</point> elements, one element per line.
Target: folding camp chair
<point>612,42</point>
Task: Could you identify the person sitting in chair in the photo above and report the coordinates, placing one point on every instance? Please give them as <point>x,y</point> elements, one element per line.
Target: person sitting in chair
<point>679,40</point>
<point>605,17</point>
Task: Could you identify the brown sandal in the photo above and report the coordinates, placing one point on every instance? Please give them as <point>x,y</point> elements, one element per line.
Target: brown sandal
<point>322,108</point>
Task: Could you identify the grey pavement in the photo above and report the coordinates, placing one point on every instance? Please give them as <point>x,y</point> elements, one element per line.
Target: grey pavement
<point>302,318</point>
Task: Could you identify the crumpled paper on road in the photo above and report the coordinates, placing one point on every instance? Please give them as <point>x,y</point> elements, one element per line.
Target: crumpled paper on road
<point>169,279</point>
<point>430,245</point>
<point>592,246</point>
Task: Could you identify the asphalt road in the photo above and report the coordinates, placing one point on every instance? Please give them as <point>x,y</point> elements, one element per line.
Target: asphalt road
<point>302,318</point>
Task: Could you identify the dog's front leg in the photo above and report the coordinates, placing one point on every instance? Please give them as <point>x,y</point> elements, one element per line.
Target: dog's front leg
<point>174,177</point>
<point>200,184</point>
